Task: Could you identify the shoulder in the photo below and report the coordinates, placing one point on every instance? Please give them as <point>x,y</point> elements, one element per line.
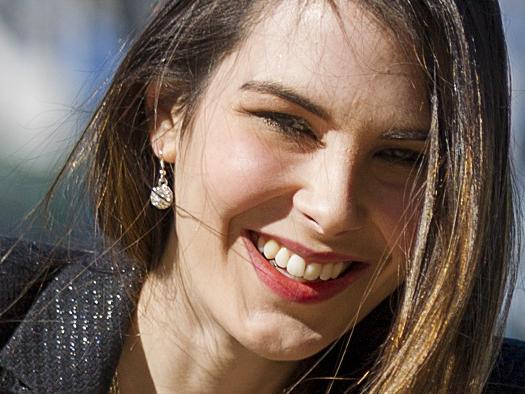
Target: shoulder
<point>23,259</point>
<point>25,269</point>
<point>508,375</point>
<point>81,298</point>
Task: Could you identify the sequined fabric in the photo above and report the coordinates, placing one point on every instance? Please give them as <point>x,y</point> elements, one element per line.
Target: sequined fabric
<point>71,336</point>
<point>65,334</point>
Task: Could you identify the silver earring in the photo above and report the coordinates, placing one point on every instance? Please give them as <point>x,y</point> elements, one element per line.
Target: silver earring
<point>161,196</point>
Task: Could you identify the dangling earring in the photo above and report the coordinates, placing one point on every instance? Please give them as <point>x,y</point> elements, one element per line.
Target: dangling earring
<point>161,196</point>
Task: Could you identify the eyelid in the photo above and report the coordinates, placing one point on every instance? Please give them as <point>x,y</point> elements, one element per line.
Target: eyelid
<point>416,156</point>
<point>277,119</point>
<point>274,119</point>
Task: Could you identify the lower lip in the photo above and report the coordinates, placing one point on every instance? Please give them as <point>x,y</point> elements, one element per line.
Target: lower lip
<point>294,290</point>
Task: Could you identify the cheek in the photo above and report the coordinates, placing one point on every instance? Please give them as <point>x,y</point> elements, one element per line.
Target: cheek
<point>396,218</point>
<point>242,170</point>
<point>397,223</point>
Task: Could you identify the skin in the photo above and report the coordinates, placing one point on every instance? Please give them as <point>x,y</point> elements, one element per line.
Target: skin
<point>205,322</point>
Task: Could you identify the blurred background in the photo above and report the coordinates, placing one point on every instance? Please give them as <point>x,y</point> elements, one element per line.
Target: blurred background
<point>56,58</point>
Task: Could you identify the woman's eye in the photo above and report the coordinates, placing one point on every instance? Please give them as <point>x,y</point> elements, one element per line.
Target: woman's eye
<point>404,157</point>
<point>289,125</point>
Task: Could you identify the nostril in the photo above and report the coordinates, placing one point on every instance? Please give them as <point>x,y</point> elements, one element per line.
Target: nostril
<point>315,223</point>
<point>310,218</point>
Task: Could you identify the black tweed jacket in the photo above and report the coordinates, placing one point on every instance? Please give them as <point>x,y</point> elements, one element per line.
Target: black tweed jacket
<point>65,334</point>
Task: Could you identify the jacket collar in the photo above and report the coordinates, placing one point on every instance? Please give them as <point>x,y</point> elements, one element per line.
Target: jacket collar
<point>71,338</point>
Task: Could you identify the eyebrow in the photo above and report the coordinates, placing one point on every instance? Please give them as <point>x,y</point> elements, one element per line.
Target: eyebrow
<point>289,94</point>
<point>405,134</point>
<point>286,93</point>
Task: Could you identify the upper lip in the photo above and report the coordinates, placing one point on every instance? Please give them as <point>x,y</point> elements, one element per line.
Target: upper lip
<point>310,254</point>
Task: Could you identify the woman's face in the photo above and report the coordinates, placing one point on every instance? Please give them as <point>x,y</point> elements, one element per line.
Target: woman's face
<point>307,136</point>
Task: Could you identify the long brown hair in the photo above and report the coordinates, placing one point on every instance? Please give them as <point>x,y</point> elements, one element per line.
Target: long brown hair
<point>453,304</point>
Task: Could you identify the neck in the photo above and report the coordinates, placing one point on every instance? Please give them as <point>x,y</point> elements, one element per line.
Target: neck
<point>174,347</point>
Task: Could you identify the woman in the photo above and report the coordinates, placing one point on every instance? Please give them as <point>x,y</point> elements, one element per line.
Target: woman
<point>305,196</point>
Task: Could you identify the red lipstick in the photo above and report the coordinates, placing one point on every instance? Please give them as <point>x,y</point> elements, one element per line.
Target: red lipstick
<point>297,290</point>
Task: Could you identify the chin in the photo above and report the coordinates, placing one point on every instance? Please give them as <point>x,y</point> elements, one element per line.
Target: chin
<point>285,340</point>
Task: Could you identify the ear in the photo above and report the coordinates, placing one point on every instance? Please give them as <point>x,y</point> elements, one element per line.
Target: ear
<point>163,125</point>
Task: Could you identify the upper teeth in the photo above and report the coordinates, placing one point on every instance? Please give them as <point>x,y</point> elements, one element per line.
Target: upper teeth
<point>295,265</point>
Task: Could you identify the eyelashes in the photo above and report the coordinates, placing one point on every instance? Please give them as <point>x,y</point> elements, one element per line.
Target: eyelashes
<point>406,157</point>
<point>287,124</point>
<point>300,130</point>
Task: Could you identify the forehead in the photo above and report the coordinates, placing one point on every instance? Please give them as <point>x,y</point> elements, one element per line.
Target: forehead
<point>346,61</point>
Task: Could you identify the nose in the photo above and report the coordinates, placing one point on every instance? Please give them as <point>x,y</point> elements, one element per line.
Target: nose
<point>330,199</point>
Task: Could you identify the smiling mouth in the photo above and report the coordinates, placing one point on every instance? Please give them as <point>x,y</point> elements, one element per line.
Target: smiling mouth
<point>294,266</point>
<point>310,279</point>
